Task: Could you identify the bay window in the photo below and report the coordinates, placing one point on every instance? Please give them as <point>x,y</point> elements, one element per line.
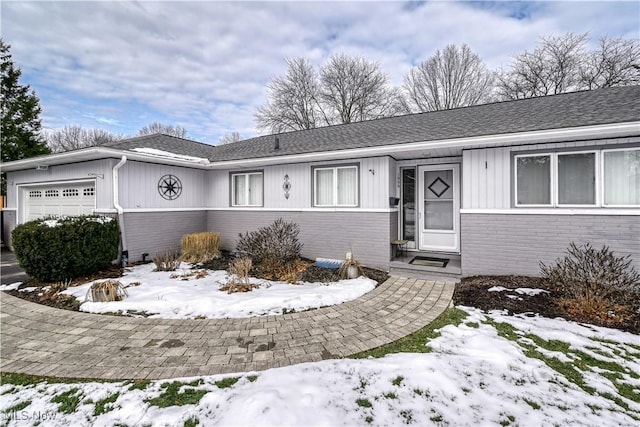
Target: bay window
<point>335,186</point>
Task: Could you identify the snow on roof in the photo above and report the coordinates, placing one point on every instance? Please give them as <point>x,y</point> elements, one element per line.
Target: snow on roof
<point>161,153</point>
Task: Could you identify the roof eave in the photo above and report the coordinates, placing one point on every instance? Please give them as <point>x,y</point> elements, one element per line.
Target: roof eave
<point>95,153</point>
<point>614,130</point>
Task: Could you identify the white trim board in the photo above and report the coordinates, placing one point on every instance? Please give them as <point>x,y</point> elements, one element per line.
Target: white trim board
<point>259,209</point>
<point>555,211</point>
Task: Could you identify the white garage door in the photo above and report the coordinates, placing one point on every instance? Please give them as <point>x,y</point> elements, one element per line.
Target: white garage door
<point>68,200</point>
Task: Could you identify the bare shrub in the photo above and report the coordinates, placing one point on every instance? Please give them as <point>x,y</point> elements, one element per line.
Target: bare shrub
<point>594,276</point>
<point>239,281</point>
<point>276,241</point>
<point>107,291</point>
<point>200,247</point>
<point>167,261</point>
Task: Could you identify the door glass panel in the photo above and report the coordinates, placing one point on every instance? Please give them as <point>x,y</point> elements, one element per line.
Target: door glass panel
<point>438,215</point>
<point>409,204</point>
<point>438,185</point>
<point>438,200</point>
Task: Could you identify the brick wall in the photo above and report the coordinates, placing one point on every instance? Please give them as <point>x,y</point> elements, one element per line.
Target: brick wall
<point>324,234</point>
<point>154,232</point>
<point>514,244</point>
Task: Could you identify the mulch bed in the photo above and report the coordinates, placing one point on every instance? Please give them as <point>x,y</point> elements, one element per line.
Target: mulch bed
<point>474,292</point>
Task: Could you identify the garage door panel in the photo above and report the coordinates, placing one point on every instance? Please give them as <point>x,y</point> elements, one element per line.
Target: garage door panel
<point>56,200</point>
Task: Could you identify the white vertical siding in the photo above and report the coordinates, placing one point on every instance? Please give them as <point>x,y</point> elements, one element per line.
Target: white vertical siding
<point>488,185</point>
<point>139,186</point>
<point>374,177</point>
<point>98,171</point>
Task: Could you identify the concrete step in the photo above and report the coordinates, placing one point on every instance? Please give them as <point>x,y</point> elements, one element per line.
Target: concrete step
<point>450,273</point>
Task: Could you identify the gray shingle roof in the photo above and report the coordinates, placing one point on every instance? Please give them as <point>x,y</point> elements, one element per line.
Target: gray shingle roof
<point>603,106</point>
<point>167,143</point>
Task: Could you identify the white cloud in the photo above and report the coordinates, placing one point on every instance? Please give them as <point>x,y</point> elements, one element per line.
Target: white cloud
<point>204,65</point>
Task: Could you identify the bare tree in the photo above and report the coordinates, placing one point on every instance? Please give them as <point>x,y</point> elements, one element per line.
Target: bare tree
<point>451,78</point>
<point>73,137</point>
<point>293,100</point>
<point>157,127</point>
<point>616,62</point>
<point>353,89</point>
<point>229,138</point>
<point>346,89</point>
<point>563,64</point>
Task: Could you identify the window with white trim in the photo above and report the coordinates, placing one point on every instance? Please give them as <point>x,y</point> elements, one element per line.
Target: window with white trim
<point>51,193</point>
<point>594,178</point>
<point>246,189</point>
<point>335,186</point>
<point>70,192</point>
<point>621,177</point>
<point>89,191</point>
<point>35,194</point>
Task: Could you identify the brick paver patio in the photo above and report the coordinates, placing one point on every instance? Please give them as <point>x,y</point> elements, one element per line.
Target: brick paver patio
<point>40,340</point>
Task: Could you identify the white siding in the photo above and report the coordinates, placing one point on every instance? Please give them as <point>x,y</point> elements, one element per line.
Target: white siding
<point>139,186</point>
<point>85,171</point>
<point>374,185</point>
<point>486,172</point>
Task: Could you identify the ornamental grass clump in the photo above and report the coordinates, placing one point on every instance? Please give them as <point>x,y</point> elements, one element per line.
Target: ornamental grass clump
<point>107,291</point>
<point>167,261</point>
<point>200,247</point>
<point>239,281</point>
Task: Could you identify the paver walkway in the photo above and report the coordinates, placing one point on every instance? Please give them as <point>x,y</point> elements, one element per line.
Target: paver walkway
<point>40,340</point>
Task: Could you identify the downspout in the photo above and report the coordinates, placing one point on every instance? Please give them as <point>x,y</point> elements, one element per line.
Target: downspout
<point>124,258</point>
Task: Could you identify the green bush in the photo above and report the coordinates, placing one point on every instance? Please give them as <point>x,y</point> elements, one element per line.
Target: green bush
<point>61,249</point>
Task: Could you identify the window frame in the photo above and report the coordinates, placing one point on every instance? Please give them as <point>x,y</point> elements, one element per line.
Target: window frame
<point>232,185</point>
<point>601,184</point>
<point>596,185</point>
<point>335,197</point>
<point>554,178</point>
<point>551,181</point>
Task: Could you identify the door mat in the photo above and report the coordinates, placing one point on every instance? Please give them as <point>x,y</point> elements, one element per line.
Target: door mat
<point>429,262</point>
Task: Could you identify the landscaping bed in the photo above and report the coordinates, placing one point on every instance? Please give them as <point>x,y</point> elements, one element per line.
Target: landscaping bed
<point>197,290</point>
<point>483,292</point>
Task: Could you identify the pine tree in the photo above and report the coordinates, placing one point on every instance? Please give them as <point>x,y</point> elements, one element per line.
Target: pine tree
<point>20,108</point>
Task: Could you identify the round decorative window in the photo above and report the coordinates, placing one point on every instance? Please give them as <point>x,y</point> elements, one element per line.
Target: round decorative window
<point>170,187</point>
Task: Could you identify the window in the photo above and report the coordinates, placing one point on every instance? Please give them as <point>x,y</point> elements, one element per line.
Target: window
<point>335,186</point>
<point>579,179</point>
<point>51,193</point>
<point>89,191</point>
<point>35,194</point>
<point>621,177</point>
<point>70,192</point>
<point>246,189</point>
<point>533,178</point>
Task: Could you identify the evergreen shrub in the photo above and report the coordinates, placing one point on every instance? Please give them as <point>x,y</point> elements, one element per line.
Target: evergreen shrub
<point>59,249</point>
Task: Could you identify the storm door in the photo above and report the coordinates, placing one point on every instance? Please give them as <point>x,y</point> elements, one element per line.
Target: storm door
<point>439,208</point>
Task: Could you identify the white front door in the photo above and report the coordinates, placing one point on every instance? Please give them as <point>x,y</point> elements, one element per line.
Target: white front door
<point>439,207</point>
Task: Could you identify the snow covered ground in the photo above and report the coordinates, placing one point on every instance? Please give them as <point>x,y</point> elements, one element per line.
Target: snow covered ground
<point>178,295</point>
<point>492,369</point>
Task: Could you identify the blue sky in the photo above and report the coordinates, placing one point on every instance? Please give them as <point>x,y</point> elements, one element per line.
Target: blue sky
<point>205,65</point>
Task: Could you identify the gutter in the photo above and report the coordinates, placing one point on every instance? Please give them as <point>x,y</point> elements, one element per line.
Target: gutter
<point>116,203</point>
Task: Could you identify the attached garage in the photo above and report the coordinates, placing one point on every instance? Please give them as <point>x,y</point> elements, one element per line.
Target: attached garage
<point>54,200</point>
